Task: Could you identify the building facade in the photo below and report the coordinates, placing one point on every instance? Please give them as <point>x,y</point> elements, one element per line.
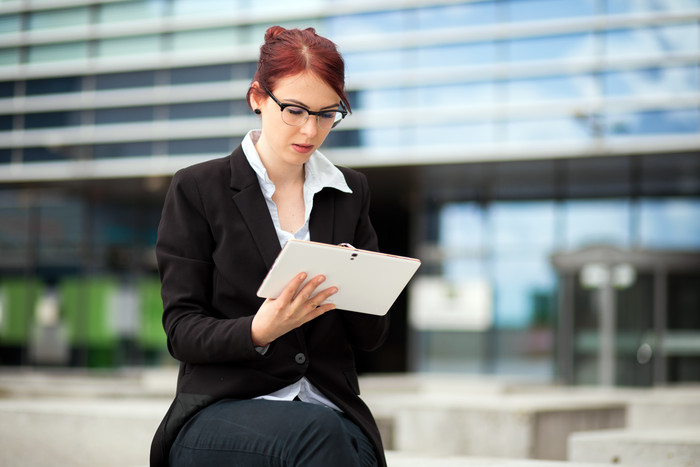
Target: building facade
<point>496,135</point>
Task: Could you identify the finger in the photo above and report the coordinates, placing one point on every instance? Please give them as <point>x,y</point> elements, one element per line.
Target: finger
<point>290,290</point>
<point>322,296</point>
<point>307,291</point>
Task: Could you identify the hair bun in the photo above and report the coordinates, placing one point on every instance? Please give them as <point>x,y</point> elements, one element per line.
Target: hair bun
<point>273,32</point>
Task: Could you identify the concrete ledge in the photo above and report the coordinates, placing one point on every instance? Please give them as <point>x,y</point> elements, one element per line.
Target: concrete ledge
<point>661,447</point>
<point>398,459</point>
<point>665,407</point>
<point>107,433</point>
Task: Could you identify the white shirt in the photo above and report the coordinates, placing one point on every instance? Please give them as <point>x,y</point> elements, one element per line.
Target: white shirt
<point>320,173</point>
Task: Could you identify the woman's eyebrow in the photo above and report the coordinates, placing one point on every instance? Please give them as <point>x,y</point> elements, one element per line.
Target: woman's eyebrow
<point>301,104</point>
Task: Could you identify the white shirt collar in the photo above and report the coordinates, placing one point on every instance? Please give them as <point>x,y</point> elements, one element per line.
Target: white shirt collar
<point>320,172</point>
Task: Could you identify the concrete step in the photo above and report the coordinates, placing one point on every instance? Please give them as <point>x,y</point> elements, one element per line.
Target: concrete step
<point>519,426</point>
<point>654,447</point>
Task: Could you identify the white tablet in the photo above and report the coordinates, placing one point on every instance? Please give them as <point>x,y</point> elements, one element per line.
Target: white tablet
<point>367,281</point>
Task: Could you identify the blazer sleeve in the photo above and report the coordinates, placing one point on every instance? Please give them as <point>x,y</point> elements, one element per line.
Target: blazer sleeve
<point>196,333</point>
<point>365,332</point>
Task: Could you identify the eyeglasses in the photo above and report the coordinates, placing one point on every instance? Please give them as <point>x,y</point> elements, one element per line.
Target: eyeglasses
<point>294,115</point>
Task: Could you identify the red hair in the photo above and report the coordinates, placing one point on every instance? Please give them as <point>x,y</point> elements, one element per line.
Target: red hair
<point>288,52</point>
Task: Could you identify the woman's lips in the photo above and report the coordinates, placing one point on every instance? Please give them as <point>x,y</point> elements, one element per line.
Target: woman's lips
<point>303,148</point>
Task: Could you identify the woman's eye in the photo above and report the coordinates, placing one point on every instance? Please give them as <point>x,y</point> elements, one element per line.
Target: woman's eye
<point>328,115</point>
<point>296,111</point>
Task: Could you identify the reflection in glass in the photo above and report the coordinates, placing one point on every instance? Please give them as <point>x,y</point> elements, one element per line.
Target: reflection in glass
<point>9,56</point>
<point>685,121</point>
<point>566,47</point>
<point>128,46</point>
<point>667,81</point>
<point>457,134</point>
<point>10,23</point>
<point>58,52</point>
<point>640,6</point>
<point>551,88</point>
<point>59,18</point>
<point>455,55</point>
<point>672,223</point>
<point>596,222</point>
<point>448,16</point>
<point>365,23</point>
<point>130,10</point>
<point>528,10</point>
<point>564,129</point>
<point>205,39</point>
<point>653,40</point>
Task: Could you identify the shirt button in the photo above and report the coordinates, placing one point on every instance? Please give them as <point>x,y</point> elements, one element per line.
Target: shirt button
<point>300,358</point>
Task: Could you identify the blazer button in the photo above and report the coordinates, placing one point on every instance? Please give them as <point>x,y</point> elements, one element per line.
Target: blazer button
<point>300,358</point>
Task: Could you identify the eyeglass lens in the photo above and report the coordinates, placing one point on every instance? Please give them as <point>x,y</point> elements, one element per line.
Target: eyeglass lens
<point>296,116</point>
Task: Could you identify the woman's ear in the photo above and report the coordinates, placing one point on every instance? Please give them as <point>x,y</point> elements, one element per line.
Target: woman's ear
<point>255,101</point>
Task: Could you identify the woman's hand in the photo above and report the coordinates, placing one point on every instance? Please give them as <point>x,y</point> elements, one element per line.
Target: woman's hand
<point>291,309</point>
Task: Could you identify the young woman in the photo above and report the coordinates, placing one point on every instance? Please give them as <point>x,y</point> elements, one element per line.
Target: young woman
<point>267,382</point>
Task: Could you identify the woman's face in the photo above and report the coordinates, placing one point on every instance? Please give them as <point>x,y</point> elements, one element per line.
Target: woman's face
<point>293,145</point>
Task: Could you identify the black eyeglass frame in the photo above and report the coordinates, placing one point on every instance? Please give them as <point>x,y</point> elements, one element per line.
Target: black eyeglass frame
<point>340,110</point>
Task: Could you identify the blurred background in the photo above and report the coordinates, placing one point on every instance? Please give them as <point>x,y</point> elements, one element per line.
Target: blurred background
<point>541,157</point>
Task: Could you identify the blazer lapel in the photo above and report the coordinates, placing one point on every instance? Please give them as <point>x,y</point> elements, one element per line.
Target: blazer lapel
<point>251,204</point>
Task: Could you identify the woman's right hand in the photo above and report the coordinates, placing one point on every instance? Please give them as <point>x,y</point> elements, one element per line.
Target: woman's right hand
<point>295,306</point>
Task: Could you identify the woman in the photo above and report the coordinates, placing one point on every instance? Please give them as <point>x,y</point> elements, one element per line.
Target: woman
<point>268,382</point>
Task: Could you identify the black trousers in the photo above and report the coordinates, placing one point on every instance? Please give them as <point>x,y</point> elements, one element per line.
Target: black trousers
<point>271,433</point>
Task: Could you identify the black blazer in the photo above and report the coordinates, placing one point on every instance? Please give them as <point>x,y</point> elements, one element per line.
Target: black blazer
<point>216,242</point>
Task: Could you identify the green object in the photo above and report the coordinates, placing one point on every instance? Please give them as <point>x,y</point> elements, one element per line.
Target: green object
<point>85,308</point>
<point>19,301</point>
<point>151,335</point>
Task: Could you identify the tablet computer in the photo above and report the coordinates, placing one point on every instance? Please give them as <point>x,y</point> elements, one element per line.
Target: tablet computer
<point>367,281</point>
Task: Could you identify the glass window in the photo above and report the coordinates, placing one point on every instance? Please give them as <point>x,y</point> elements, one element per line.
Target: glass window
<point>448,16</point>
<point>7,89</point>
<point>135,149</point>
<point>528,10</point>
<point>135,45</point>
<point>669,81</point>
<point>521,239</point>
<point>378,99</point>
<point>596,222</point>
<point>458,95</point>
<point>201,74</point>
<point>204,39</point>
<point>654,40</point>
<point>340,138</point>
<point>462,227</point>
<point>653,122</point>
<point>200,146</point>
<point>456,55</point>
<point>382,137</point>
<point>38,154</point>
<point>365,23</point>
<point>464,134</point>
<point>128,11</point>
<point>6,122</point>
<point>670,223</point>
<point>206,7</point>
<point>10,23</point>
<point>135,79</point>
<point>53,85</point>
<point>634,6</point>
<point>360,62</point>
<point>9,56</point>
<point>52,119</point>
<point>200,110</point>
<point>124,115</point>
<point>552,129</point>
<point>66,17</point>
<point>550,88</point>
<point>572,46</point>
<point>5,156</point>
<point>58,52</point>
